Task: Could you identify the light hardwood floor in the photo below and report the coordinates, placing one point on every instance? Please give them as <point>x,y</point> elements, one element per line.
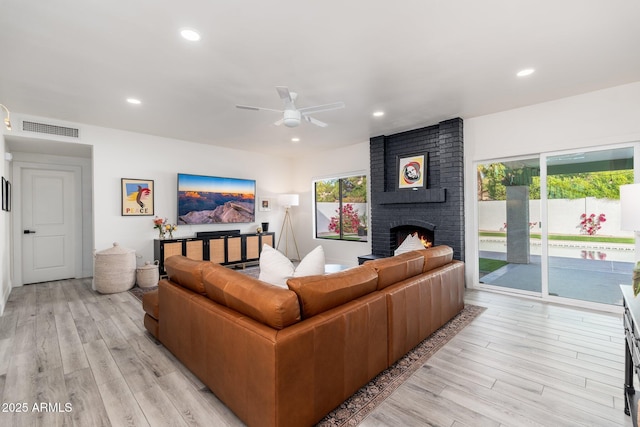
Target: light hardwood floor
<point>521,362</point>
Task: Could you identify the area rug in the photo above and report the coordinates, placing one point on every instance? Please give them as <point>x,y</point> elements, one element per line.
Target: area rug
<point>365,400</point>
<point>137,291</point>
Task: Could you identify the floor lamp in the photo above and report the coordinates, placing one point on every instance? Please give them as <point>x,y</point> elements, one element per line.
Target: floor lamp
<point>288,200</point>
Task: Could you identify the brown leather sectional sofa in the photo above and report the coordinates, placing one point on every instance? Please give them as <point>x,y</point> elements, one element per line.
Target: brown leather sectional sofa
<point>287,357</point>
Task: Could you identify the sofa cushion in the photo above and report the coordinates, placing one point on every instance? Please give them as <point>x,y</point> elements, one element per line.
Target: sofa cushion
<point>397,268</point>
<point>150,304</point>
<point>271,305</point>
<point>275,268</point>
<point>436,256</point>
<point>185,272</point>
<point>322,292</point>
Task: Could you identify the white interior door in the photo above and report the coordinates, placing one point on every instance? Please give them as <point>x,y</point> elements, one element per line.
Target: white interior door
<point>48,225</point>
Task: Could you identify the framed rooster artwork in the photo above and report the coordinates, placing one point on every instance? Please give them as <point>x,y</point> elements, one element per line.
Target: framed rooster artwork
<point>137,197</point>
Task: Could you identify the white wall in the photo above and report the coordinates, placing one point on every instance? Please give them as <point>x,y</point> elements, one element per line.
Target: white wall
<point>119,154</point>
<point>353,159</point>
<point>5,260</point>
<point>564,215</point>
<point>609,116</point>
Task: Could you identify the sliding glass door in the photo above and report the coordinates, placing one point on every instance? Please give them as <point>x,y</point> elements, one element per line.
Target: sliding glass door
<point>509,218</point>
<point>549,226</point>
<point>588,254</point>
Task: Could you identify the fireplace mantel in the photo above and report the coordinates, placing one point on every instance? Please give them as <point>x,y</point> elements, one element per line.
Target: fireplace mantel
<point>431,195</point>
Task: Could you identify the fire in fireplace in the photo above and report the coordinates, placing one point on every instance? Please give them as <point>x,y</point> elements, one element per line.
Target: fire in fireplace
<point>425,240</point>
<point>402,232</point>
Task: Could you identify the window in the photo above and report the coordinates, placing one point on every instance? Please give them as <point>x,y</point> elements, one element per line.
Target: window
<point>341,208</point>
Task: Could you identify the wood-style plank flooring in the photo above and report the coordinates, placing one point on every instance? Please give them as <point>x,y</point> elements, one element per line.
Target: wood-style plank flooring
<point>63,344</point>
<point>520,363</point>
<point>88,359</point>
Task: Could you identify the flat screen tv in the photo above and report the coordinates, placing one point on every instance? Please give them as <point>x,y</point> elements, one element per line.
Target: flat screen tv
<point>215,200</point>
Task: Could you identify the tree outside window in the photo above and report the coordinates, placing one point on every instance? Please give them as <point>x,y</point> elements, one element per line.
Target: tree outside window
<point>341,208</point>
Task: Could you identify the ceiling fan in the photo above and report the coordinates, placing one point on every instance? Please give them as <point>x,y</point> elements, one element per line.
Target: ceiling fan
<point>293,115</point>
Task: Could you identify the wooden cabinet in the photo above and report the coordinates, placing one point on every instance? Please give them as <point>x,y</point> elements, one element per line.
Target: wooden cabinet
<point>631,319</point>
<point>194,249</point>
<point>253,244</point>
<point>252,247</point>
<point>217,250</point>
<point>163,249</point>
<point>267,239</point>
<point>232,249</point>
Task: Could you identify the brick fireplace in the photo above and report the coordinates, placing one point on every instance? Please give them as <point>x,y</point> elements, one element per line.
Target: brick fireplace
<point>435,210</point>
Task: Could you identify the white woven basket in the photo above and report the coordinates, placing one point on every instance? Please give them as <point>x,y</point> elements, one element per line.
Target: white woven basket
<point>114,270</point>
<point>148,275</point>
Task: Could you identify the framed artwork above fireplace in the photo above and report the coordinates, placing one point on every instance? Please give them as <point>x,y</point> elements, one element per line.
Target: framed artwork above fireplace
<point>412,171</point>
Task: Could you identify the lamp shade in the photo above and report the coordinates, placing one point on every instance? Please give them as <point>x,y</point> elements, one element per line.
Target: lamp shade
<point>288,200</point>
<point>630,207</point>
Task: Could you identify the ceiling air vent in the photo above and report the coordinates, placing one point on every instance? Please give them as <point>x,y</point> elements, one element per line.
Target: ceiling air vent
<point>49,129</point>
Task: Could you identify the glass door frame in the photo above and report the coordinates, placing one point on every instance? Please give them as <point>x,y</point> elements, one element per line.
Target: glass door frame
<point>502,289</point>
<point>544,239</point>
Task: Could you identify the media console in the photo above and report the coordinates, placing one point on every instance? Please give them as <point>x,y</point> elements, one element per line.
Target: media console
<point>230,248</point>
<point>632,350</point>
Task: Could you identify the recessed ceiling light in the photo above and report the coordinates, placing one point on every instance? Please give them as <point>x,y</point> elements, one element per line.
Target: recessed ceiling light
<point>190,35</point>
<point>134,101</point>
<point>378,114</point>
<point>295,139</point>
<point>525,72</point>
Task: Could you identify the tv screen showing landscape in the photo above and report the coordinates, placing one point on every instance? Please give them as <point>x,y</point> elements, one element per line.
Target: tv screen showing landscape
<point>215,200</point>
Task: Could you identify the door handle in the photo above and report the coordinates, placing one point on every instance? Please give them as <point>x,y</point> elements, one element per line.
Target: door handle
<point>29,232</point>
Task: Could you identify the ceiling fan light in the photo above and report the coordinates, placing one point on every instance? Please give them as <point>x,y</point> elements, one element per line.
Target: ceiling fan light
<point>291,118</point>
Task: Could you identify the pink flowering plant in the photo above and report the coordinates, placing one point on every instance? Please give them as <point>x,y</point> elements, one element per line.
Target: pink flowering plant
<point>590,224</point>
<point>350,220</point>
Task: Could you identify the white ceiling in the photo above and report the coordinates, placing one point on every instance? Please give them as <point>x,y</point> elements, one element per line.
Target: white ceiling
<point>421,61</point>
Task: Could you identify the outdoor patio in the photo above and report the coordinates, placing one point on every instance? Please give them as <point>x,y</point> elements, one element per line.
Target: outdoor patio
<point>593,280</point>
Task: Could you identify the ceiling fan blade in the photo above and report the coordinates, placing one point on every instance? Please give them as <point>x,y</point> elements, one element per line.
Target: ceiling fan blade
<point>248,107</point>
<point>325,107</point>
<point>284,93</point>
<point>315,121</point>
<point>279,122</point>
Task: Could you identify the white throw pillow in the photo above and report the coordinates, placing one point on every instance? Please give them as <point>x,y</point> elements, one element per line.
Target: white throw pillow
<point>411,243</point>
<point>311,264</point>
<point>275,268</point>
